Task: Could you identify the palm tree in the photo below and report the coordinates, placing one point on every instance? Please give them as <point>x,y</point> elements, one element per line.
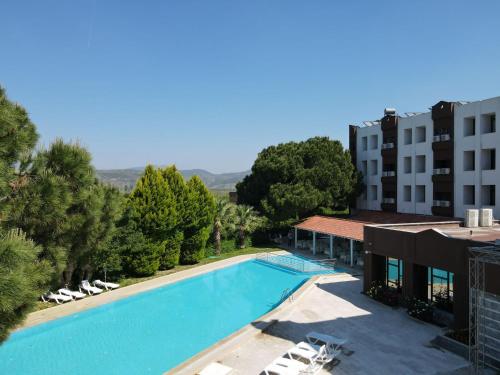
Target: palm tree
<point>246,221</point>
<point>224,214</point>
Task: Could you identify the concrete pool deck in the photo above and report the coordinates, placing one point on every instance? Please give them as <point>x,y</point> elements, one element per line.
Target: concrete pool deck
<point>382,340</point>
<point>69,308</point>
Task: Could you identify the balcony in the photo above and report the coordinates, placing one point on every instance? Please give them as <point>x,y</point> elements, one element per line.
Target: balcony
<point>387,146</point>
<point>441,171</point>
<point>389,123</point>
<point>442,142</point>
<point>441,138</point>
<point>442,208</point>
<point>389,153</point>
<point>388,173</point>
<point>388,204</point>
<point>389,177</point>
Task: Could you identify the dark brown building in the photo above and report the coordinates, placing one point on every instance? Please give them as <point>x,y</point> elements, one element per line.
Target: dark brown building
<point>428,261</point>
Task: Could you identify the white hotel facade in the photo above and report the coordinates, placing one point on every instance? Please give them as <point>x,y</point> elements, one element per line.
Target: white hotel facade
<point>440,162</point>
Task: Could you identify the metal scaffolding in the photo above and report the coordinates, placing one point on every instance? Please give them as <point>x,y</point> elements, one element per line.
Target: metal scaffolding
<point>478,311</point>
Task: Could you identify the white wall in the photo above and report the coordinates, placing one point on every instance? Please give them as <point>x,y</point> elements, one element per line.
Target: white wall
<point>412,150</point>
<point>476,142</point>
<point>368,155</point>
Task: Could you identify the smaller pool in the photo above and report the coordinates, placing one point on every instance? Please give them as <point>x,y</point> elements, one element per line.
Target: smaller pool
<point>298,263</point>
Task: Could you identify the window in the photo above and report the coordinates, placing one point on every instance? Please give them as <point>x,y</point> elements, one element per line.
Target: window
<point>488,157</point>
<point>420,193</point>
<point>373,142</point>
<point>469,126</point>
<point>440,288</point>
<point>420,135</point>
<point>394,273</point>
<point>488,123</point>
<point>420,163</point>
<point>407,164</point>
<point>407,193</point>
<point>364,143</point>
<point>469,194</point>
<point>373,192</point>
<point>488,195</point>
<point>469,160</point>
<point>364,167</point>
<point>373,167</point>
<point>407,136</point>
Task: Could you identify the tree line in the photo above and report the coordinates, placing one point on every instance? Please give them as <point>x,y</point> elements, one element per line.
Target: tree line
<point>59,224</point>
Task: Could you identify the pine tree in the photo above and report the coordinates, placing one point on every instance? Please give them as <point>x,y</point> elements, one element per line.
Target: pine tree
<point>23,277</point>
<point>200,207</point>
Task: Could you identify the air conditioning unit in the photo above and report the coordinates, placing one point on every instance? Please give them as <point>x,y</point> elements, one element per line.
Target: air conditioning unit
<point>391,173</point>
<point>436,203</point>
<point>436,138</point>
<point>471,218</point>
<point>445,203</point>
<point>436,171</point>
<point>486,217</point>
<point>445,171</point>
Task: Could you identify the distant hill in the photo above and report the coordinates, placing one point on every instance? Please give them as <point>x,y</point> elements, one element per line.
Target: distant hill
<point>125,179</point>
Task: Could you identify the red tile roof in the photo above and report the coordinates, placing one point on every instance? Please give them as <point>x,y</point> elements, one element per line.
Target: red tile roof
<point>352,226</point>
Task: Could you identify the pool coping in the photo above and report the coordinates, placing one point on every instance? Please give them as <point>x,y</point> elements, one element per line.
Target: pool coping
<point>197,362</point>
<point>89,302</point>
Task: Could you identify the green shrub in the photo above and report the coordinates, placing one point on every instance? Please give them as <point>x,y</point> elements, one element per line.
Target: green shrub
<point>382,293</point>
<point>144,259</point>
<point>171,251</point>
<point>193,247</point>
<point>419,309</point>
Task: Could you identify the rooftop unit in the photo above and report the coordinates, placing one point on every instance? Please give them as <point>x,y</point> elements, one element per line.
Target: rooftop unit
<point>471,218</point>
<point>486,217</point>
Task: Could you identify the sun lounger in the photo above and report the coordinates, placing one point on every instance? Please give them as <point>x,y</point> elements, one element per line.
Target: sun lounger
<point>322,354</point>
<point>332,343</point>
<point>71,293</point>
<point>89,289</point>
<point>57,298</point>
<point>215,368</point>
<point>106,285</point>
<point>285,366</point>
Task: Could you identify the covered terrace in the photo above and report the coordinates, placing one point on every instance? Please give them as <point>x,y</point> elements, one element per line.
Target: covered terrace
<point>342,237</point>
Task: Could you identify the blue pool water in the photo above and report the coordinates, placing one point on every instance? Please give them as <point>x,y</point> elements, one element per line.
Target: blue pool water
<point>151,332</point>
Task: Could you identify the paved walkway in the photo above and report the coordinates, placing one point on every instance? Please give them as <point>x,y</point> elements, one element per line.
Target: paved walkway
<point>382,340</point>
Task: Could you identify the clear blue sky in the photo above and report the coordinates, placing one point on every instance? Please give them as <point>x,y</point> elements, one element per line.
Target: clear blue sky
<point>208,84</point>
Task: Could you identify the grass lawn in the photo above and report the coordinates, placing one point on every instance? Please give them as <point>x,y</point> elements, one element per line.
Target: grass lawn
<point>133,280</point>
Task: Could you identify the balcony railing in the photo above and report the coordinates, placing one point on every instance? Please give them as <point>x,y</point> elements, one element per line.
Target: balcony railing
<point>441,203</point>
<point>441,138</point>
<point>388,173</point>
<point>387,146</point>
<point>441,171</point>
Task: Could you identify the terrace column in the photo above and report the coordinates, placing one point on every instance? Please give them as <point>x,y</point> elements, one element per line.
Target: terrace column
<point>331,246</point>
<point>314,243</point>
<point>351,248</point>
<point>295,242</point>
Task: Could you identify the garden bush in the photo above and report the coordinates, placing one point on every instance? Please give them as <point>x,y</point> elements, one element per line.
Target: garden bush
<point>171,251</point>
<point>419,309</point>
<point>382,293</point>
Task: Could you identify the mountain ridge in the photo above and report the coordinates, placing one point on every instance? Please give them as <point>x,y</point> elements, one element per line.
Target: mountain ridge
<point>125,178</point>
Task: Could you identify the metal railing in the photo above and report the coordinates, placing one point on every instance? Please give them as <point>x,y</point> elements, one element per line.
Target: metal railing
<point>297,264</point>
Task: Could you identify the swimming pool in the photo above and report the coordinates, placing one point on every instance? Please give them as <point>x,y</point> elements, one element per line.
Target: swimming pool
<point>154,331</point>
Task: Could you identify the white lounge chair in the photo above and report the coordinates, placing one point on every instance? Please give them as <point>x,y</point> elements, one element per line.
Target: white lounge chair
<point>332,343</point>
<point>106,285</point>
<point>215,368</point>
<point>71,293</point>
<point>57,298</point>
<point>285,366</point>
<point>89,289</point>
<point>320,353</point>
<point>312,359</point>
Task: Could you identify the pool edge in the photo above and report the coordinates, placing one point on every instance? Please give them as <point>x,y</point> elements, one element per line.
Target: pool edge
<point>203,358</point>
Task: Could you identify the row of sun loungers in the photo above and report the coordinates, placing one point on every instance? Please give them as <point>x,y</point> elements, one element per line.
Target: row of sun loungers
<point>307,357</point>
<point>66,295</point>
